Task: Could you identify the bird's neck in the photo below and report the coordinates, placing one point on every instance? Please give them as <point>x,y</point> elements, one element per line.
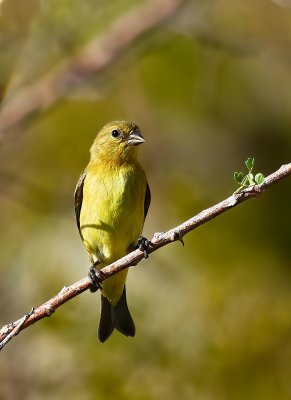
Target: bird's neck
<point>113,158</point>
<point>100,161</point>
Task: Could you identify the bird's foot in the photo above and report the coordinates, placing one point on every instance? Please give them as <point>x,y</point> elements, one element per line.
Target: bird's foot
<point>143,245</point>
<point>96,277</point>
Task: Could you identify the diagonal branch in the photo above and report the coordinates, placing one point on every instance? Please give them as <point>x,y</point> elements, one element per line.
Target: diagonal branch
<point>159,240</point>
<point>93,58</point>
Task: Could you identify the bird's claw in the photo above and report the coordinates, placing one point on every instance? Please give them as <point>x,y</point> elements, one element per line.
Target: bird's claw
<point>96,277</point>
<point>143,245</point>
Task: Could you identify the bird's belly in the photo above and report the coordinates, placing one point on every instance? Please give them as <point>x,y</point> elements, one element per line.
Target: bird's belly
<point>107,243</point>
<point>110,225</point>
<point>111,221</point>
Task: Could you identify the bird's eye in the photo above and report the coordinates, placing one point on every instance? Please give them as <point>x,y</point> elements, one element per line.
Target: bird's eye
<point>115,133</point>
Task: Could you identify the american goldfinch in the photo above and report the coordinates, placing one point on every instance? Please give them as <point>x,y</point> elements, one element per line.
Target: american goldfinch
<point>112,199</point>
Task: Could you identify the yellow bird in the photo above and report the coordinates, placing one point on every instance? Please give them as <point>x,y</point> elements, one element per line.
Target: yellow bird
<point>112,199</point>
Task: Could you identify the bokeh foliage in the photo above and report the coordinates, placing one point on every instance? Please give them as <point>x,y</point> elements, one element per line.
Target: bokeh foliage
<point>209,88</point>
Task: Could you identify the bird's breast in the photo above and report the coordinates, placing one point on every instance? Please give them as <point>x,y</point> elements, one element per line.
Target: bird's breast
<point>112,213</point>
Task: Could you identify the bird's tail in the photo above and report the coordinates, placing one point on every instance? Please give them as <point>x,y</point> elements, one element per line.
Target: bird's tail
<point>117,316</point>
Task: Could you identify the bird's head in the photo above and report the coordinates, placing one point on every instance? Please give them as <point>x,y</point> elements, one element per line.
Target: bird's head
<point>117,141</point>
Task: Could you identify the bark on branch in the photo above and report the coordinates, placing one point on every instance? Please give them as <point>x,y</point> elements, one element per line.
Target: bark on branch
<point>159,240</point>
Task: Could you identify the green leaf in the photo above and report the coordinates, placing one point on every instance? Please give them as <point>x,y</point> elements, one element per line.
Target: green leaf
<point>238,176</point>
<point>251,179</point>
<point>250,163</point>
<point>259,178</point>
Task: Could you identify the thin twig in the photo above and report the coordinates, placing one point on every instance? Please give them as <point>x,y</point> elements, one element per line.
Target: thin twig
<point>15,330</point>
<point>133,258</point>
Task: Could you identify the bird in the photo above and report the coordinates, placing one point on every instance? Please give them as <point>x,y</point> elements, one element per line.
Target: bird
<point>112,198</point>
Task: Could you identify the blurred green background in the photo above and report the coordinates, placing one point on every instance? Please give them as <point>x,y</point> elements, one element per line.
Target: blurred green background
<point>209,86</point>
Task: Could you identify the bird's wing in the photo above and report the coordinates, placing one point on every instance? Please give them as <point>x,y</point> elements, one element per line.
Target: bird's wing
<point>147,200</point>
<point>79,199</point>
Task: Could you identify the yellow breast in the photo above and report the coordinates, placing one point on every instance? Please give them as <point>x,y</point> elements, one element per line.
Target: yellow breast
<point>112,216</point>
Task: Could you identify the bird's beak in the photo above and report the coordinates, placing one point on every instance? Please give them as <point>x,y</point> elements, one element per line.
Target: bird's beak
<point>135,139</point>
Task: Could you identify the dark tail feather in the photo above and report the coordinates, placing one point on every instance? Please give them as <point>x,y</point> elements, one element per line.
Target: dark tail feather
<point>105,324</point>
<point>121,317</point>
<point>117,316</point>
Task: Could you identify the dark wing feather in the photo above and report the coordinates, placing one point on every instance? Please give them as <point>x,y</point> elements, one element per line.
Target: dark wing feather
<point>147,200</point>
<point>79,199</point>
